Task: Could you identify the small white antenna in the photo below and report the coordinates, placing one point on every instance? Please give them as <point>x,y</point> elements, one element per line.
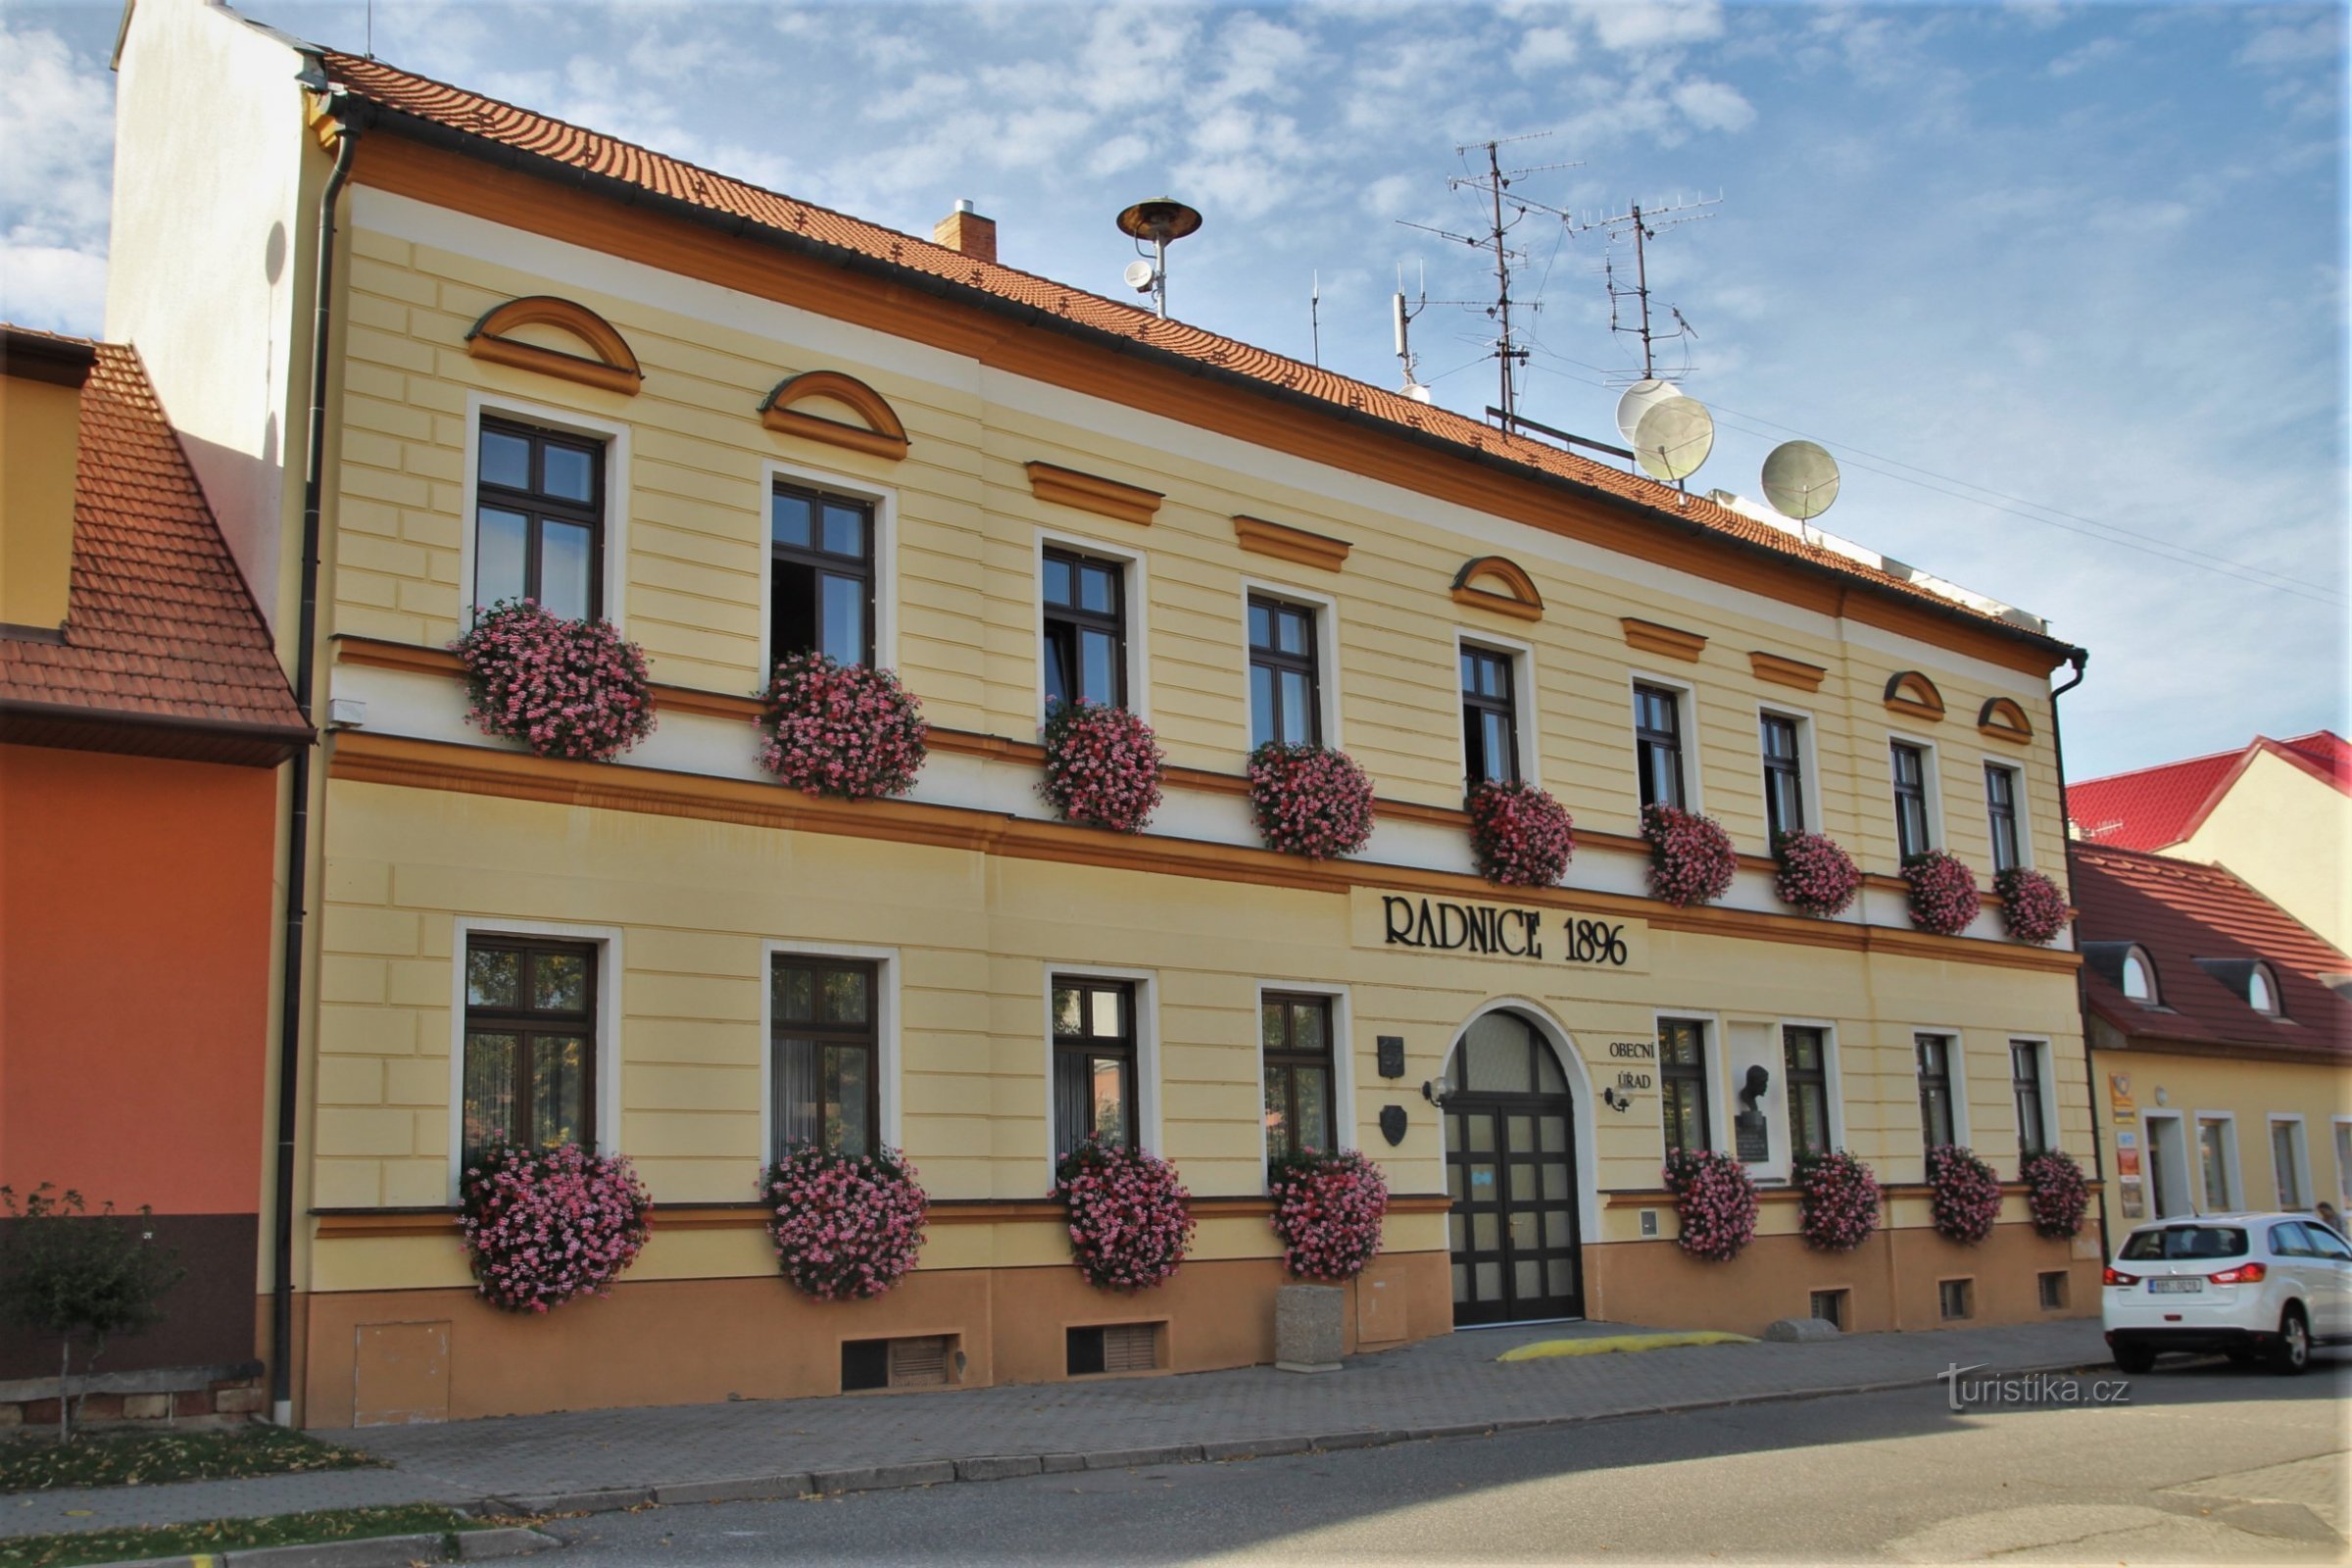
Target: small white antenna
<point>1404,315</point>
<point>1314,312</point>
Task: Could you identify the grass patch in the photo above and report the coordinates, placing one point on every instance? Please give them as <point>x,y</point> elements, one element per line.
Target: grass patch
<point>230,1535</point>
<point>1603,1345</point>
<point>149,1459</point>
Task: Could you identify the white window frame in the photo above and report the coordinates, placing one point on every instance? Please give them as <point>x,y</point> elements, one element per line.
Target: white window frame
<point>1523,700</point>
<point>1147,1049</point>
<point>1930,780</point>
<point>1342,1057</point>
<point>885,500</point>
<point>608,940</point>
<point>1327,652</point>
<point>2299,1149</point>
<point>2045,1077</point>
<point>1685,718</point>
<point>2184,1166</point>
<point>2025,818</point>
<point>2147,965</point>
<point>2234,1175</point>
<point>613,435</point>
<point>888,1069</point>
<point>1833,1079</point>
<point>1956,1065</point>
<point>1134,586</point>
<point>1807,758</point>
<point>2270,979</point>
<point>1720,1104</point>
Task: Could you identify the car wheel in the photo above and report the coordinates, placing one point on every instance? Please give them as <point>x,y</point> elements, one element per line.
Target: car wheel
<point>2294,1354</point>
<point>2133,1359</point>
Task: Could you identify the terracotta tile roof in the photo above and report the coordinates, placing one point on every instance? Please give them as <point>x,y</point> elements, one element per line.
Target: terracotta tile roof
<point>577,148</point>
<point>2155,808</point>
<point>2182,911</point>
<point>160,626</point>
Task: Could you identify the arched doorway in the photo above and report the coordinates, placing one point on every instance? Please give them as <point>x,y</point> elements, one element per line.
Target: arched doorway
<point>1510,1170</point>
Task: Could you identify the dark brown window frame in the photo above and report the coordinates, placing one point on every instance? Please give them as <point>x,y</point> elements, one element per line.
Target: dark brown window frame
<point>1650,741</point>
<point>863,569</point>
<point>538,506</point>
<point>1084,1050</point>
<point>1678,1080</point>
<point>2000,815</point>
<point>1911,794</point>
<point>1945,1047</point>
<point>781,1031</point>
<point>1477,767</point>
<point>527,1024</point>
<point>1290,1054</point>
<point>1063,625</point>
<point>1777,768</point>
<point>1801,1080</point>
<point>2025,1087</point>
<point>1272,658</point>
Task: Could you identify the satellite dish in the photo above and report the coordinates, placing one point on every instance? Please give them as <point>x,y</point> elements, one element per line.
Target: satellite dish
<point>1640,399</point>
<point>1800,480</point>
<point>1139,277</point>
<point>1674,437</point>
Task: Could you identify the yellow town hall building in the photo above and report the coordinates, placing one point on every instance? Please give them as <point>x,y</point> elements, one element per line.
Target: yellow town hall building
<point>733,424</point>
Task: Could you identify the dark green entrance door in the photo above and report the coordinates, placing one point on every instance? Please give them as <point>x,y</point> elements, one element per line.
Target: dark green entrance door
<point>1510,1170</point>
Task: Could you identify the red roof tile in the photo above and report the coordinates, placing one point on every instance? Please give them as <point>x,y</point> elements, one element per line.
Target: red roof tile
<point>2155,808</point>
<point>159,623</point>
<point>576,147</point>
<point>2181,911</point>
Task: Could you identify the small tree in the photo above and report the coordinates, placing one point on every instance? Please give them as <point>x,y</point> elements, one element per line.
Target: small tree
<point>79,1276</point>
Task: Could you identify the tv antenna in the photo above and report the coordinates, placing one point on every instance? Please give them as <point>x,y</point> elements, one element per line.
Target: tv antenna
<point>1642,225</point>
<point>1314,312</point>
<point>1495,185</point>
<point>1161,220</point>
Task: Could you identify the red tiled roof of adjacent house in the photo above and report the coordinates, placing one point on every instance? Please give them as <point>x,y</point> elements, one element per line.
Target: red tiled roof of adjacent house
<point>159,623</point>
<point>2155,808</point>
<point>2181,911</point>
<point>491,121</point>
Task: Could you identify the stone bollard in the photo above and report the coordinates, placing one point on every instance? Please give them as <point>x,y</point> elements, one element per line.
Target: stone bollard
<point>1308,1321</point>
<point>1800,1331</point>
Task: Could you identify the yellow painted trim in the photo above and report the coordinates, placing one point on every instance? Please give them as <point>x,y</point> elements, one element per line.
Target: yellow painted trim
<point>1089,492</point>
<point>1785,671</point>
<point>1672,641</point>
<point>1284,543</point>
<point>1608,1345</point>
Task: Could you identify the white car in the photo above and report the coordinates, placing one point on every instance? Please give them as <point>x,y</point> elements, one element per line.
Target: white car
<point>2251,1286</point>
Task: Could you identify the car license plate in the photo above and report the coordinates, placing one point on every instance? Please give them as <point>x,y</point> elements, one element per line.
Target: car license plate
<point>2175,1287</point>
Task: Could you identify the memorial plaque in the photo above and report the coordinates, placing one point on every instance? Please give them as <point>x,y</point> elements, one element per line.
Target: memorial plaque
<point>1750,1139</point>
<point>1392,1056</point>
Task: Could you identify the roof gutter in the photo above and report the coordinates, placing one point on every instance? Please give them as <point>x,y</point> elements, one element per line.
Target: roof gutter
<point>483,149</point>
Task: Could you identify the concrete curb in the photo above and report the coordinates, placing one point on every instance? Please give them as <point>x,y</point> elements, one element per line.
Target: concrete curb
<point>368,1551</point>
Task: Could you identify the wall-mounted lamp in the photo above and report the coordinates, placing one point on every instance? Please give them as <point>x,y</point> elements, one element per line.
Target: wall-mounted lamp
<point>1437,1089</point>
<point>1615,1101</point>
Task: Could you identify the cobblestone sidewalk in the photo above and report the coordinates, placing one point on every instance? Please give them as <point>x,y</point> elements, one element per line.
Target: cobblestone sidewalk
<point>1442,1387</point>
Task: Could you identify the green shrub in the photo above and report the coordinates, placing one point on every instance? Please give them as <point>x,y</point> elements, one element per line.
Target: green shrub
<point>79,1277</point>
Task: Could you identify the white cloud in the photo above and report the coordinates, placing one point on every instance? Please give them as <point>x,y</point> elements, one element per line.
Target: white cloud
<point>53,287</point>
<point>1713,106</point>
<point>57,124</point>
<point>1627,26</point>
<point>1118,154</point>
<point>2096,52</point>
<point>1544,49</point>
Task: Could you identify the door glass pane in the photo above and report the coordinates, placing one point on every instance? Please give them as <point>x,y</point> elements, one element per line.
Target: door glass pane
<point>559,982</point>
<point>1524,1181</point>
<point>1457,1229</point>
<point>1523,1133</point>
<point>1486,1230</point>
<point>1547,1077</point>
<point>1481,1133</point>
<point>491,977</point>
<point>1461,1283</point>
<point>1494,1055</point>
<point>557,1078</point>
<point>845,619</point>
<point>1482,1184</point>
<point>1453,1137</point>
<point>845,530</point>
<point>1562,1277</point>
<point>489,1088</point>
<point>1555,1180</point>
<point>1098,679</point>
<point>1489,1282</point>
<point>1523,1230</point>
<point>1559,1227</point>
<point>1555,1135</point>
<point>1528,1284</point>
<point>498,547</point>
<point>570,473</point>
<point>788,522</point>
<point>1454,1186</point>
<point>505,460</point>
<point>564,569</point>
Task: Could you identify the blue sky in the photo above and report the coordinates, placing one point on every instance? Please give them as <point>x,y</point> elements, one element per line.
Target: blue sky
<point>2063,287</point>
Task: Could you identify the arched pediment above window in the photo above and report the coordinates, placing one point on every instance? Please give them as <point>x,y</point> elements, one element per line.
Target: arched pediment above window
<point>1910,692</point>
<point>1493,582</point>
<point>882,434</point>
<point>2003,718</point>
<point>609,361</point>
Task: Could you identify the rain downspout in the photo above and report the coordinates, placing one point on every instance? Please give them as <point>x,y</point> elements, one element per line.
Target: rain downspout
<point>2079,658</point>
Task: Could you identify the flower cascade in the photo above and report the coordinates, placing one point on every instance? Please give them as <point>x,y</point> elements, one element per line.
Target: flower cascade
<point>1313,801</point>
<point>1130,1218</point>
<point>1943,892</point>
<point>1714,1200</point>
<point>845,730</point>
<point>1328,1210</point>
<point>564,687</point>
<point>1968,1196</point>
<point>1838,1200</point>
<point>1103,766</point>
<point>1816,874</point>
<point>1690,857</point>
<point>846,1227</point>
<point>2056,1195</point>
<point>1520,836</point>
<point>544,1225</point>
<point>2032,907</point>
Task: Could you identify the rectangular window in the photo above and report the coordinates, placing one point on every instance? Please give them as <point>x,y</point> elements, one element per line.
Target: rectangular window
<point>1911,800</point>
<point>823,1056</point>
<point>1956,1299</point>
<point>1683,1084</point>
<point>1805,1052</point>
<point>1658,743</point>
<point>2000,807</point>
<point>1285,702</point>
<point>1830,1308</point>
<point>1113,1347</point>
<point>539,519</point>
<point>2054,1290</point>
<point>1783,777</point>
<point>1086,630</point>
<point>820,549</point>
<point>1489,717</point>
<point>2214,1163</point>
<point>2287,1137</point>
<point>530,1043</point>
<point>2025,1085</point>
<point>1295,1031</point>
<point>1094,1062</point>
<point>1935,1088</point>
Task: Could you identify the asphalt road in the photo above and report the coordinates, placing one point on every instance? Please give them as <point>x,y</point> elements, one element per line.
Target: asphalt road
<point>2205,1463</point>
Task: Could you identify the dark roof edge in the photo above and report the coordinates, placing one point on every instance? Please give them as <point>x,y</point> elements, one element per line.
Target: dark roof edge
<point>77,725</point>
<point>484,149</point>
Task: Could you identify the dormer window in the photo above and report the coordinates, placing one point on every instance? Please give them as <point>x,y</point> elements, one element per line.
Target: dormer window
<point>2262,991</point>
<point>2140,977</point>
